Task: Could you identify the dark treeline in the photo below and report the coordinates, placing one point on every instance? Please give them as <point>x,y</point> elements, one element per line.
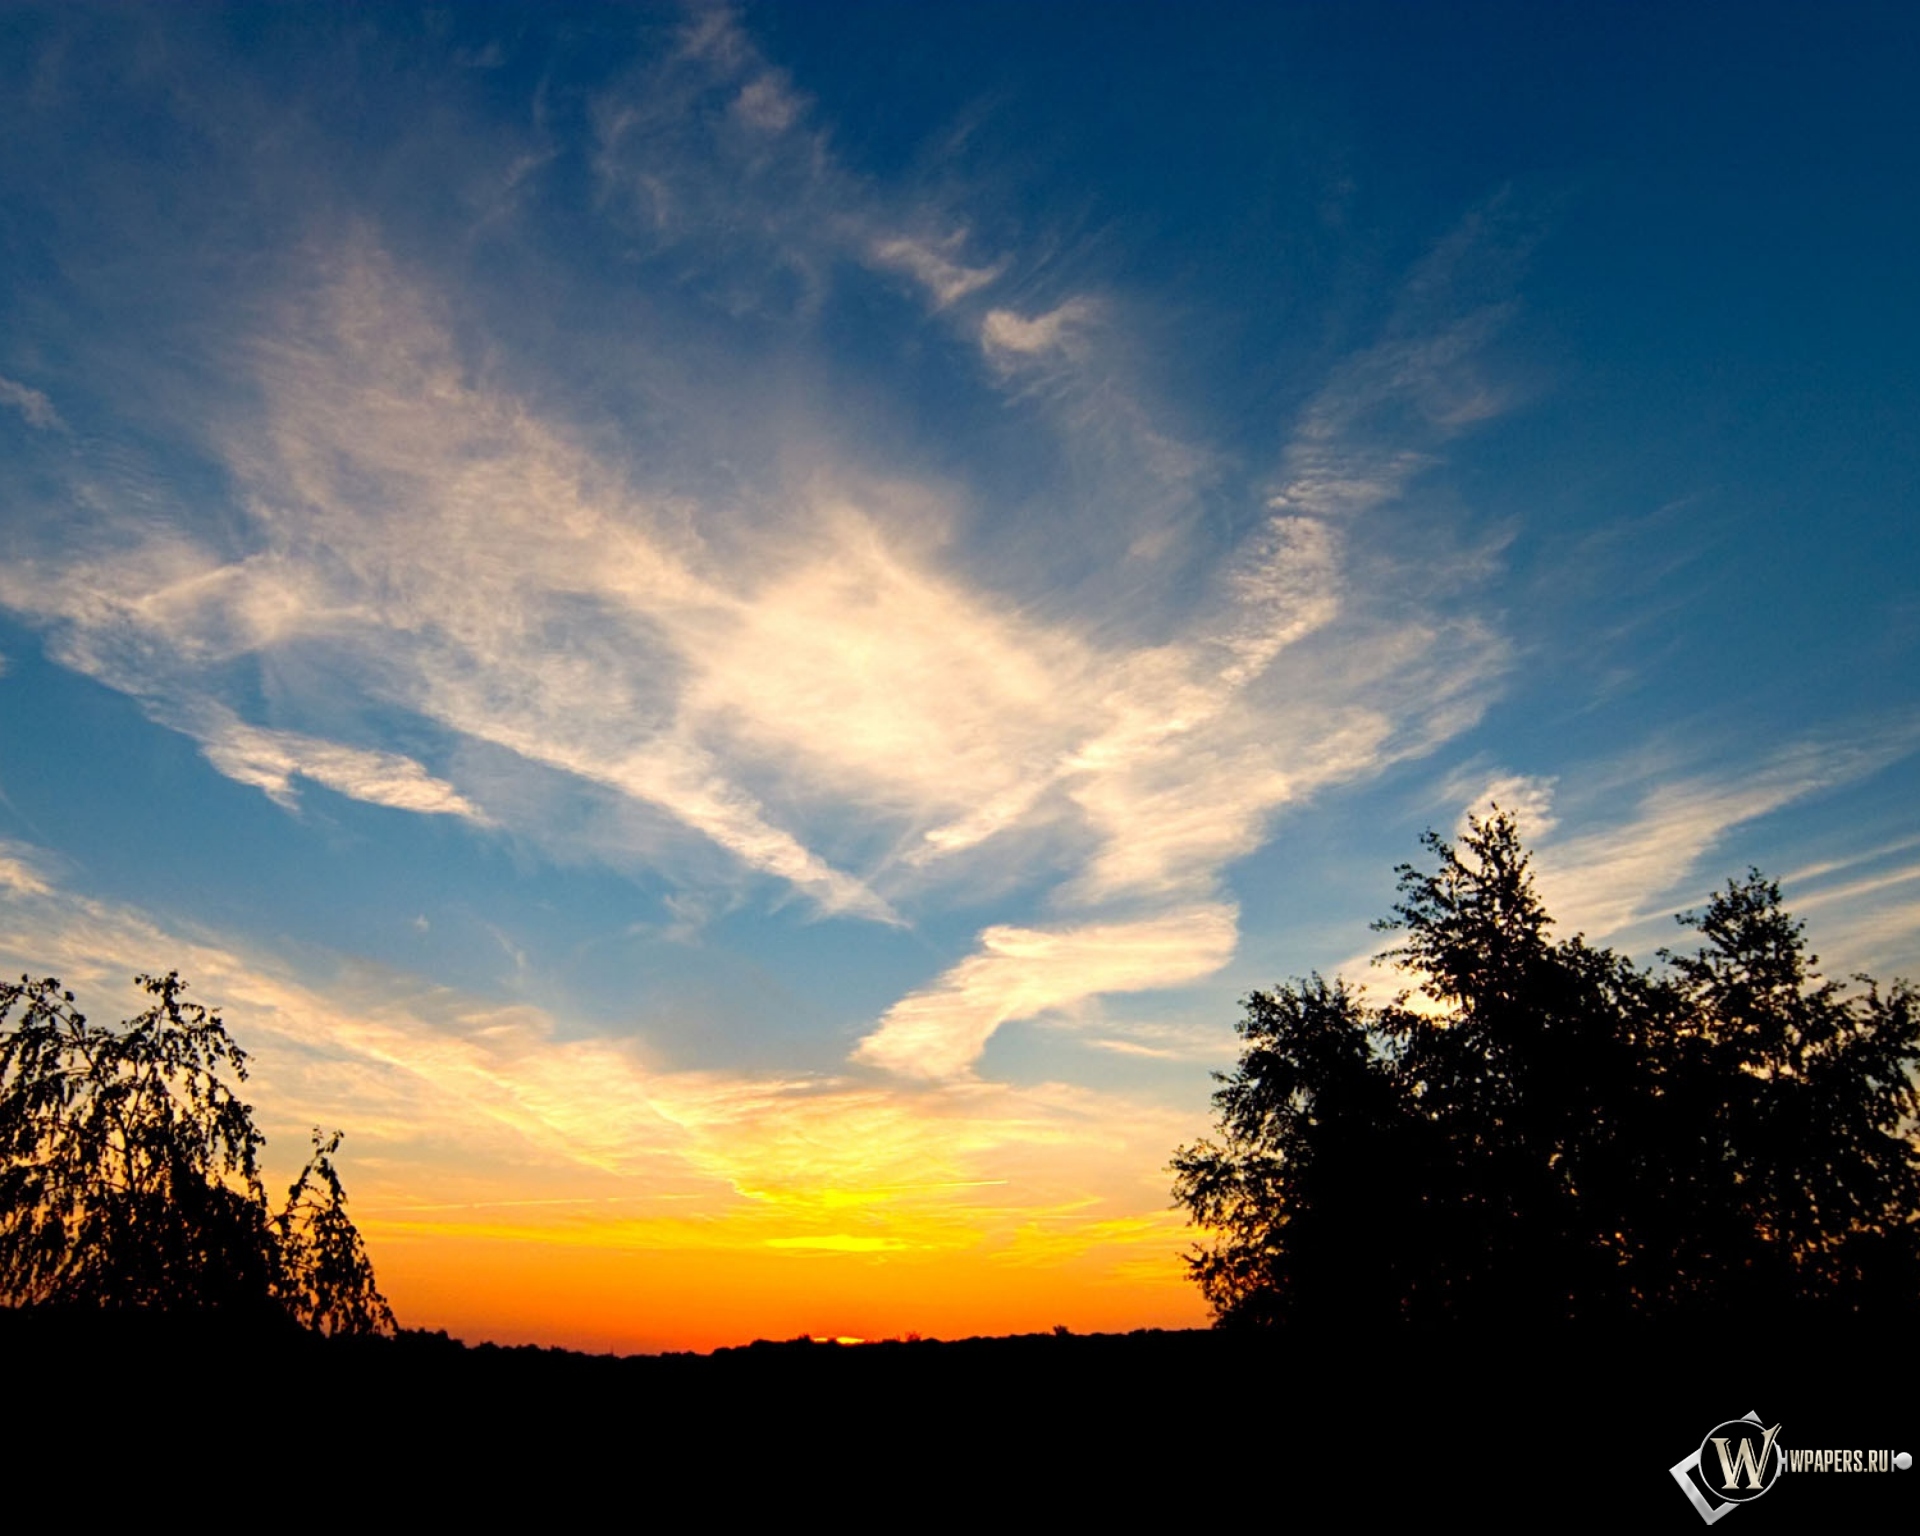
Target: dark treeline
<point>1296,1428</point>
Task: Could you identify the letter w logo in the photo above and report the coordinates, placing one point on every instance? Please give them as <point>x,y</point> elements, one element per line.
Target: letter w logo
<point>1744,1460</point>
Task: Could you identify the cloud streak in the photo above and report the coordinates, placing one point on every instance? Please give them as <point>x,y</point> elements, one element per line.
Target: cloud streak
<point>1611,879</point>
<point>945,279</point>
<point>826,668</point>
<point>270,760</point>
<point>1020,973</point>
<point>32,405</point>
<point>470,563</point>
<point>1010,339</point>
<point>1621,876</point>
<point>446,1095</point>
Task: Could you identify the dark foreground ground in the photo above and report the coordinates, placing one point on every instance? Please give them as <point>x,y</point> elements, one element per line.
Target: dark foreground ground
<point>1560,1432</point>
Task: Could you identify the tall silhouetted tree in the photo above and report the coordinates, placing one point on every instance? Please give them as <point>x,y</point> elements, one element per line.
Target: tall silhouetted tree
<point>1541,1132</point>
<point>130,1178</point>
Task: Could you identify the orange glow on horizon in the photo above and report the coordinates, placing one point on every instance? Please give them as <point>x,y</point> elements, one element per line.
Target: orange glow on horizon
<point>494,1286</point>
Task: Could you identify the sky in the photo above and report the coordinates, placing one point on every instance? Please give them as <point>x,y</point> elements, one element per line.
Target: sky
<point>728,634</point>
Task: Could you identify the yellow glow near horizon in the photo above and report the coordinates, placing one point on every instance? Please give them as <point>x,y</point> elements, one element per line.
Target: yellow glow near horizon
<point>498,1285</point>
<point>949,1261</point>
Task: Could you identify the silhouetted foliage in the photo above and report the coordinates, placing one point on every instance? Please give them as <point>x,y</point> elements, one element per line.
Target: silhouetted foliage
<point>130,1177</point>
<point>1547,1134</point>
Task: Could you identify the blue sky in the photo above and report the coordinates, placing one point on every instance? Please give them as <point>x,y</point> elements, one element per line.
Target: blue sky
<point>779,608</point>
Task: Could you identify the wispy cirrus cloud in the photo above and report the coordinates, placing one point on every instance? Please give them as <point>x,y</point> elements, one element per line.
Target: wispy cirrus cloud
<point>431,538</point>
<point>465,561</point>
<point>271,760</point>
<point>1610,879</point>
<point>826,670</point>
<point>1294,681</point>
<point>715,155</point>
<point>1617,874</point>
<point>945,279</point>
<point>20,872</point>
<point>1010,338</point>
<point>1020,973</point>
<point>471,563</point>
<point>32,404</point>
<point>455,1103</point>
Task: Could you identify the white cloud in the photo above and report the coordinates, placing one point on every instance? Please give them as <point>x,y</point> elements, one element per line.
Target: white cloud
<point>1019,973</point>
<point>1380,418</point>
<point>31,404</point>
<point>1284,584</point>
<point>1009,337</point>
<point>1850,935</point>
<point>1621,880</point>
<point>814,684</point>
<point>945,279</point>
<point>472,565</point>
<point>1171,767</point>
<point>439,541</point>
<point>1817,871</point>
<point>761,194</point>
<point>270,760</point>
<point>1862,909</point>
<point>20,872</point>
<point>1607,881</point>
<point>768,103</point>
<point>862,666</point>
<point>1528,799</point>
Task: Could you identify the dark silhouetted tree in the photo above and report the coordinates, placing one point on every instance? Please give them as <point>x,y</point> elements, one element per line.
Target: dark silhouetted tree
<point>1540,1132</point>
<point>130,1178</point>
<point>325,1279</point>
